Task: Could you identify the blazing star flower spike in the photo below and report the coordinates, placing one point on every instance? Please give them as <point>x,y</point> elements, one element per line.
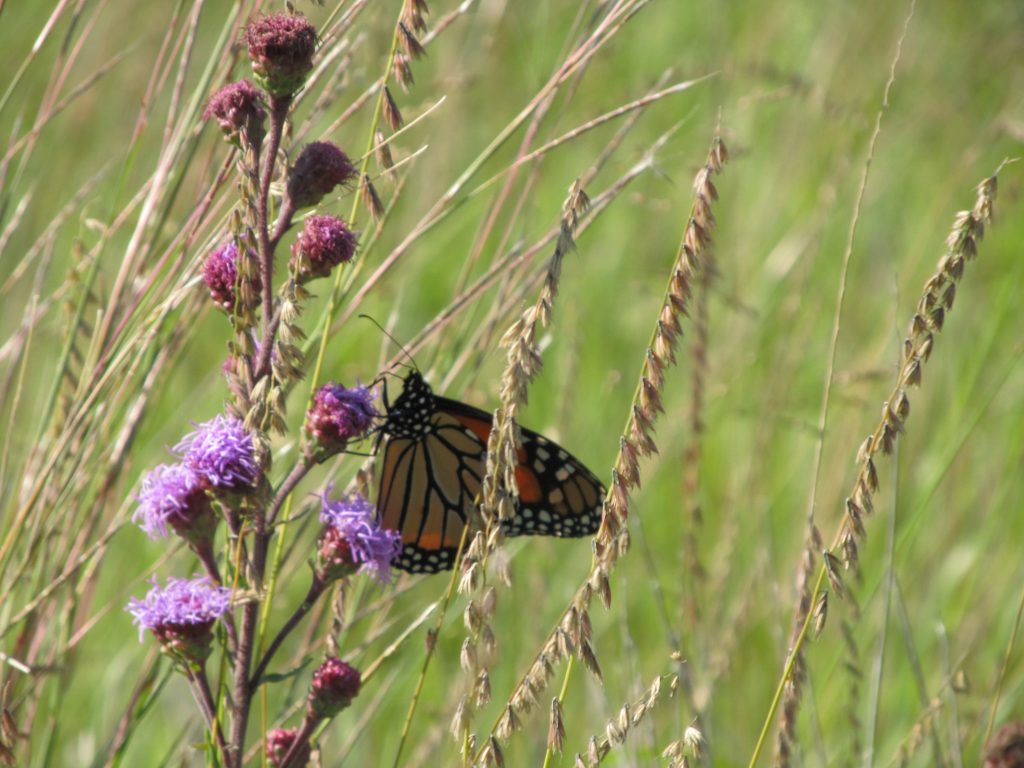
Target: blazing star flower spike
<point>324,243</point>
<point>352,540</point>
<point>221,452</point>
<point>181,615</point>
<point>173,495</point>
<point>334,686</point>
<point>281,47</point>
<point>339,414</point>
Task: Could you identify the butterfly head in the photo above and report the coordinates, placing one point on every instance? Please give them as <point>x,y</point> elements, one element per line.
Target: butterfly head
<point>409,415</point>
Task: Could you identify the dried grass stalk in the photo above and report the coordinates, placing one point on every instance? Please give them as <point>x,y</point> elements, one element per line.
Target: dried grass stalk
<point>612,539</point>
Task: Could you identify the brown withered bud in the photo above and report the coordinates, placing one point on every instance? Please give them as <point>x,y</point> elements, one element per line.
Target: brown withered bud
<point>383,152</point>
<point>402,71</point>
<point>392,114</point>
<point>832,571</point>
<point>556,728</point>
<point>820,613</point>
<point>409,43</point>
<point>370,198</point>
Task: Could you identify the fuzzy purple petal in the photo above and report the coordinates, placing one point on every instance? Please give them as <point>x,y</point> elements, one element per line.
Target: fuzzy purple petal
<point>340,414</point>
<point>221,452</point>
<point>372,547</point>
<point>168,492</point>
<point>182,602</point>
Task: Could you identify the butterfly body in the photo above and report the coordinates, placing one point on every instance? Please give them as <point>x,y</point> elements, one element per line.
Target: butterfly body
<point>433,469</point>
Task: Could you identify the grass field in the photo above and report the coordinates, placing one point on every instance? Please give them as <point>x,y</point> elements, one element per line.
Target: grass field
<point>856,132</point>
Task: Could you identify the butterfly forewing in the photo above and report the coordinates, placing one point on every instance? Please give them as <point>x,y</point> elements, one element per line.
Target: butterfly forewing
<point>433,469</point>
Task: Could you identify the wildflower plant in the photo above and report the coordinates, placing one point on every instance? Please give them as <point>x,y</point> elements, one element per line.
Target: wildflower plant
<point>223,466</point>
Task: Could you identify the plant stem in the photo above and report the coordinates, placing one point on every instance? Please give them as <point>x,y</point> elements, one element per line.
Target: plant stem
<point>316,589</point>
<point>278,114</point>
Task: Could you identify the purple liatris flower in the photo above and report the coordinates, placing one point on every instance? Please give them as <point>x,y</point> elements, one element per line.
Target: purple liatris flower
<point>173,495</point>
<point>181,615</point>
<point>279,743</point>
<point>352,540</point>
<point>236,107</point>
<point>339,415</point>
<point>324,243</point>
<point>334,686</point>
<point>319,168</point>
<point>221,452</point>
<point>281,47</point>
<point>220,273</point>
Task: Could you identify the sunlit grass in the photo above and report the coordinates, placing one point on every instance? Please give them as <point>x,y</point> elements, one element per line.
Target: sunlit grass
<point>111,197</point>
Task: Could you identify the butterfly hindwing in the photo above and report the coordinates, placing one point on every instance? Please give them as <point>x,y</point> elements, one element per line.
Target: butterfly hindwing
<point>433,469</point>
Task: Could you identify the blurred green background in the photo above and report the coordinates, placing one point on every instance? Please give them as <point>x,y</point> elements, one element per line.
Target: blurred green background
<point>796,89</point>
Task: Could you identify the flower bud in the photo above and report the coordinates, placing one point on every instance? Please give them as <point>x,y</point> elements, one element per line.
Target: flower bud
<point>220,273</point>
<point>320,167</point>
<point>279,743</point>
<point>339,415</point>
<point>324,243</point>
<point>281,47</point>
<point>237,108</point>
<point>334,686</point>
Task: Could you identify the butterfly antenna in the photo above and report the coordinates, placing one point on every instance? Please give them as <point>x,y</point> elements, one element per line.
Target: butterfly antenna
<point>396,342</point>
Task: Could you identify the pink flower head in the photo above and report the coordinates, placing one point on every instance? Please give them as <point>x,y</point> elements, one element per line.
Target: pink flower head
<point>334,686</point>
<point>281,47</point>
<point>181,615</point>
<point>339,414</point>
<point>236,107</point>
<point>220,273</point>
<point>279,743</point>
<point>319,168</point>
<point>353,540</point>
<point>221,452</point>
<point>324,243</point>
<point>173,495</point>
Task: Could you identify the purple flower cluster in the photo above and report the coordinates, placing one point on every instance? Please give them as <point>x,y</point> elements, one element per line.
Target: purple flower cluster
<point>319,168</point>
<point>236,107</point>
<point>352,537</point>
<point>171,494</point>
<point>222,453</point>
<point>182,605</point>
<point>339,414</point>
<point>324,243</point>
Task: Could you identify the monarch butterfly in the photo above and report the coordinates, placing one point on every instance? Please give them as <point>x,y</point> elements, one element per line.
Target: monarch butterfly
<point>434,467</point>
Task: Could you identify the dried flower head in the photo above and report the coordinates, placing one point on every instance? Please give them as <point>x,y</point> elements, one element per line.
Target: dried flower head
<point>279,743</point>
<point>320,167</point>
<point>352,540</point>
<point>324,243</point>
<point>340,414</point>
<point>334,686</point>
<point>237,107</point>
<point>173,495</point>
<point>281,46</point>
<point>221,452</point>
<point>181,615</point>
<point>220,273</point>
